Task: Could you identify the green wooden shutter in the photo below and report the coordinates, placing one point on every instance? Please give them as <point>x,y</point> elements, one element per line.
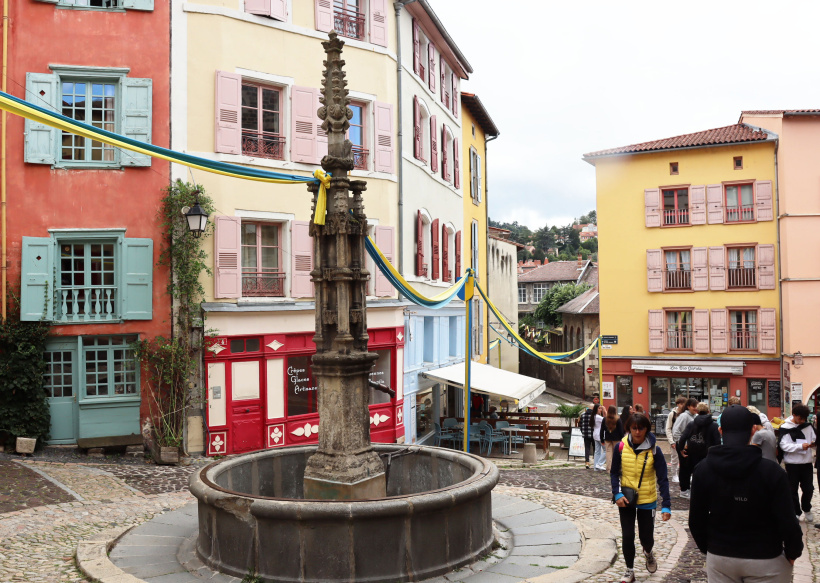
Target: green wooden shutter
<point>138,4</point>
<point>41,140</point>
<point>137,272</point>
<point>37,279</point>
<point>136,118</point>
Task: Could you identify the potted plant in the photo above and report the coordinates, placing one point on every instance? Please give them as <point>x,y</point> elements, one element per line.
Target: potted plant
<point>569,412</point>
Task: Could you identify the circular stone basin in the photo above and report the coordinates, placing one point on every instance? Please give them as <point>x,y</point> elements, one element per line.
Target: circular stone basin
<point>437,516</point>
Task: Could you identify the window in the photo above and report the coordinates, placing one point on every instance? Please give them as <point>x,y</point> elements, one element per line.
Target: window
<point>676,206</point>
<point>474,248</point>
<point>262,273</point>
<point>87,285</point>
<point>239,345</point>
<point>740,202</point>
<point>678,270</point>
<point>301,386</point>
<point>446,154</point>
<point>741,272</point>
<point>679,330</point>
<point>673,168</point>
<point>475,176</point>
<point>356,135</point>
<point>59,373</point>
<point>743,330</point>
<point>522,294</point>
<point>421,147</point>
<point>261,122</point>
<point>348,17</point>
<point>538,292</point>
<point>105,4</point>
<point>94,104</point>
<point>110,366</point>
<point>446,84</point>
<point>757,394</point>
<point>738,162</point>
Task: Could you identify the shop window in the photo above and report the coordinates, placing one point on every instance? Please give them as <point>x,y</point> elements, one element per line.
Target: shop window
<point>757,394</point>
<point>302,391</point>
<point>424,414</point>
<point>624,387</point>
<point>659,400</point>
<point>429,339</point>
<point>381,374</point>
<point>455,337</point>
<point>239,345</point>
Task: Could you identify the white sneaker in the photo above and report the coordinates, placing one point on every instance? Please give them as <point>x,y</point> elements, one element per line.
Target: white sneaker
<point>676,479</point>
<point>808,517</point>
<point>628,577</point>
<point>685,494</point>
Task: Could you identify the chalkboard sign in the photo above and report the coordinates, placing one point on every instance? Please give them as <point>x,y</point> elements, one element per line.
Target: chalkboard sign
<point>576,443</point>
<point>774,395</point>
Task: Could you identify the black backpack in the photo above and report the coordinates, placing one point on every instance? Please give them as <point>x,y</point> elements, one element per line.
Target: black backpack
<point>696,444</point>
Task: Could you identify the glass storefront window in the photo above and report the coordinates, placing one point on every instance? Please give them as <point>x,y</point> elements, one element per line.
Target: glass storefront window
<point>424,413</point>
<point>757,394</point>
<point>718,394</point>
<point>624,387</point>
<point>658,395</point>
<point>381,374</point>
<point>705,390</point>
<point>302,389</point>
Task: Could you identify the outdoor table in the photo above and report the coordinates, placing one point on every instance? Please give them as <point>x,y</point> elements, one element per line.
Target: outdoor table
<point>530,432</point>
<point>512,430</point>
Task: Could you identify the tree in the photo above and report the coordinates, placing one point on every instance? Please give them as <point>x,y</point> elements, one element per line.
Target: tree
<point>539,255</point>
<point>557,296</point>
<point>590,217</point>
<point>543,238</point>
<point>591,244</point>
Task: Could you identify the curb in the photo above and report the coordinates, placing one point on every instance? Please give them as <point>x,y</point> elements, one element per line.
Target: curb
<point>598,552</point>
<point>92,558</point>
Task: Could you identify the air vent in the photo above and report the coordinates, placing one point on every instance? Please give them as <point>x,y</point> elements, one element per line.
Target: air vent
<point>304,127</point>
<point>302,262</point>
<point>228,116</point>
<point>228,260</point>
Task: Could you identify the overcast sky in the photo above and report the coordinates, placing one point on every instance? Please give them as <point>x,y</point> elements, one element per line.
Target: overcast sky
<point>562,78</point>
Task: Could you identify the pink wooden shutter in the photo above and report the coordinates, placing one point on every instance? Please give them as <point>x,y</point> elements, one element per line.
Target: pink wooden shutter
<point>227,246</point>
<point>445,159</point>
<point>433,144</point>
<point>279,10</point>
<point>445,254</point>
<point>416,128</point>
<point>700,321</point>
<point>719,332</point>
<point>700,269</point>
<point>383,114</point>
<point>652,207</point>
<point>321,135</point>
<point>431,63</point>
<point>456,164</point>
<point>765,267</point>
<point>697,205</point>
<point>436,249</point>
<point>454,102</point>
<point>763,196</point>
<point>714,203</point>
<point>768,334</point>
<point>303,127</point>
<point>378,22</point>
<point>261,7</point>
<point>302,249</point>
<point>324,15</point>
<point>441,74</point>
<point>654,270</point>
<point>717,268</point>
<point>655,330</point>
<point>419,245</point>
<point>416,48</point>
<point>384,241</point>
<point>228,138</point>
<point>457,252</point>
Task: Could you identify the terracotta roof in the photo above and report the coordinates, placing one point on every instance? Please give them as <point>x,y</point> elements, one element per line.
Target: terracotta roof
<point>480,113</point>
<point>727,135</point>
<point>781,111</point>
<point>586,303</point>
<point>561,271</point>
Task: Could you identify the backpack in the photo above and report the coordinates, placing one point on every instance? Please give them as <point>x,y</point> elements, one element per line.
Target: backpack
<point>696,444</point>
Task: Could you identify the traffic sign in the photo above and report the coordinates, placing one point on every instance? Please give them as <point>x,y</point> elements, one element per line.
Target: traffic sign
<point>589,370</point>
<point>609,340</point>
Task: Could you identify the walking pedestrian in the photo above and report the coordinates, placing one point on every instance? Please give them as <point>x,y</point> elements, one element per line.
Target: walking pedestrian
<point>639,409</point>
<point>740,515</point>
<point>680,404</point>
<point>626,412</point>
<point>796,440</point>
<point>600,454</point>
<point>683,421</point>
<point>764,438</point>
<point>587,426</point>
<point>638,472</point>
<point>694,444</point>
<point>612,432</point>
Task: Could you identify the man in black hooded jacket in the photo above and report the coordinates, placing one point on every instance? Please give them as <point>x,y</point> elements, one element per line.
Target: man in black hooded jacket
<point>741,513</point>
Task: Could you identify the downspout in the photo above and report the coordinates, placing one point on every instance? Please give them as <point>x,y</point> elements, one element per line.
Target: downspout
<point>779,262</point>
<point>3,186</point>
<point>487,240</point>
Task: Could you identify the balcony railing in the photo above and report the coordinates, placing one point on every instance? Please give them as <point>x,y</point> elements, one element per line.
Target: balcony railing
<point>263,145</point>
<point>448,275</point>
<point>743,337</point>
<point>349,23</point>
<point>86,304</point>
<point>263,284</point>
<point>424,270</point>
<point>360,158</point>
<point>677,279</point>
<point>676,217</point>
<point>742,277</point>
<point>740,213</point>
<point>679,338</point>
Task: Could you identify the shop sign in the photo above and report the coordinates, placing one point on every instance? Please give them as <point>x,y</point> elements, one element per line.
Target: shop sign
<point>609,390</point>
<point>797,391</point>
<point>774,395</point>
<point>699,367</point>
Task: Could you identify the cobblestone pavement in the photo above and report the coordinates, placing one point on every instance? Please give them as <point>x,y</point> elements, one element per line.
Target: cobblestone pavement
<point>20,489</point>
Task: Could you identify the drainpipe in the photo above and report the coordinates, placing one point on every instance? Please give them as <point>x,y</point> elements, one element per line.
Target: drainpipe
<point>3,118</point>
<point>487,239</point>
<point>779,262</point>
<point>398,6</point>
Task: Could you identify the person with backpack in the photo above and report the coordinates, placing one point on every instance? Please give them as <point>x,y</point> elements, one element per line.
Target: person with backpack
<point>587,426</point>
<point>694,444</point>
<point>682,422</point>
<point>797,437</point>
<point>674,460</point>
<point>638,472</point>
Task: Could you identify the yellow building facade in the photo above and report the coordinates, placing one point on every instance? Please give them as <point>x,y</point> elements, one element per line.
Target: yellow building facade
<point>688,271</point>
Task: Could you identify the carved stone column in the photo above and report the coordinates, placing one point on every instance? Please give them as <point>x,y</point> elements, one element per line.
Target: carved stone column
<point>345,467</point>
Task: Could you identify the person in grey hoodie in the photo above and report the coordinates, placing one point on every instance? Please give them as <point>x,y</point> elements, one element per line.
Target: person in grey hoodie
<point>683,421</point>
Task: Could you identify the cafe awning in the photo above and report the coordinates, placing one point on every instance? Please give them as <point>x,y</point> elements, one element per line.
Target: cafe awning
<point>491,380</point>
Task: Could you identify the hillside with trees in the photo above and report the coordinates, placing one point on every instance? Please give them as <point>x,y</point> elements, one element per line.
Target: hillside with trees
<point>553,242</point>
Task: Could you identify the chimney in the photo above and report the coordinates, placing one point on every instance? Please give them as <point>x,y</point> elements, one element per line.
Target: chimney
<point>580,261</point>
<point>520,263</point>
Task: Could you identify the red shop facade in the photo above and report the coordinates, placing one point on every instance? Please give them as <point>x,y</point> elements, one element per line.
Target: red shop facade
<point>262,392</point>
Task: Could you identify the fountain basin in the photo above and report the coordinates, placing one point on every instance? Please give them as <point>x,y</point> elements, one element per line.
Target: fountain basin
<point>436,517</point>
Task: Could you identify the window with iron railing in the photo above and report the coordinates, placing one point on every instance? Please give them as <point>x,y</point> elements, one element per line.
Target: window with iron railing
<point>741,271</point>
<point>740,203</point>
<point>678,271</point>
<point>743,330</point>
<point>261,111</point>
<point>676,206</point>
<point>87,290</point>
<point>262,273</point>
<point>356,135</point>
<point>348,18</point>
<point>679,330</point>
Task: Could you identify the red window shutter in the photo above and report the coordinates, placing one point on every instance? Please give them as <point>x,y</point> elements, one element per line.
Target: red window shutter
<point>655,330</point>
<point>768,333</point>
<point>378,22</point>
<point>321,135</point>
<point>227,247</point>
<point>700,321</point>
<point>654,270</point>
<point>719,332</point>
<point>433,144</point>
<point>384,241</point>
<point>714,203</point>
<point>456,164</point>
<point>457,252</point>
<point>652,207</point>
<point>697,205</point>
<point>700,269</point>
<point>419,245</point>
<point>763,199</point>
<point>383,116</point>
<point>416,128</point>
<point>416,48</point>
<point>445,254</point>
<point>324,15</point>
<point>228,138</point>
<point>302,248</point>
<point>303,125</point>
<point>431,60</point>
<point>436,251</point>
<point>717,268</point>
<point>765,267</point>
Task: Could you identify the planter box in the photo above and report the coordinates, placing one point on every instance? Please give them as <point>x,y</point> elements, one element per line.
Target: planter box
<point>166,455</point>
<point>26,445</point>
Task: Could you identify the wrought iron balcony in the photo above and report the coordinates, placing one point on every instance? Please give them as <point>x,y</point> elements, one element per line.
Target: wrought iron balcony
<point>349,23</point>
<point>263,284</point>
<point>740,213</point>
<point>679,338</point>
<point>86,304</point>
<point>743,337</point>
<point>676,217</point>
<point>263,145</point>
<point>677,279</point>
<point>742,277</point>
<point>360,158</point>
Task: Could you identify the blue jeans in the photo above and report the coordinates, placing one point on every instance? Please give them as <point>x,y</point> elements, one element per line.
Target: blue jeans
<point>600,456</point>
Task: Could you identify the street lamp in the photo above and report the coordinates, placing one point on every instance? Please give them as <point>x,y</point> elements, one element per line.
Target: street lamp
<point>197,218</point>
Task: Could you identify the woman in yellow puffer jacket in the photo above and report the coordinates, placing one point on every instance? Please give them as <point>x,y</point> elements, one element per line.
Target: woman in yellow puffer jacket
<point>639,464</point>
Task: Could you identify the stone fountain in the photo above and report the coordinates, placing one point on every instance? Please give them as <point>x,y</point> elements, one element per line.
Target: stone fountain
<point>345,510</point>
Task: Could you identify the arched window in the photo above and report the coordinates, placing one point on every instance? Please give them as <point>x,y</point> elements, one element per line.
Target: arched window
<point>579,340</point>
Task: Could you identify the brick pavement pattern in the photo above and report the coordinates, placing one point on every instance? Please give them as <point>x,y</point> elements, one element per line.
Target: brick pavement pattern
<point>20,489</point>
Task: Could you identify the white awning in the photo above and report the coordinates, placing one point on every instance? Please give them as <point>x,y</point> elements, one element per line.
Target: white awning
<point>491,380</point>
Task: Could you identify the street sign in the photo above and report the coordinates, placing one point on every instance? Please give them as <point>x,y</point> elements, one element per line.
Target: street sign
<point>589,370</point>
<point>607,347</point>
<point>609,340</point>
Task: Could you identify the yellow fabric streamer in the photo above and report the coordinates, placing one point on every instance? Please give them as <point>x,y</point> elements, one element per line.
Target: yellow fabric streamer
<point>321,200</point>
